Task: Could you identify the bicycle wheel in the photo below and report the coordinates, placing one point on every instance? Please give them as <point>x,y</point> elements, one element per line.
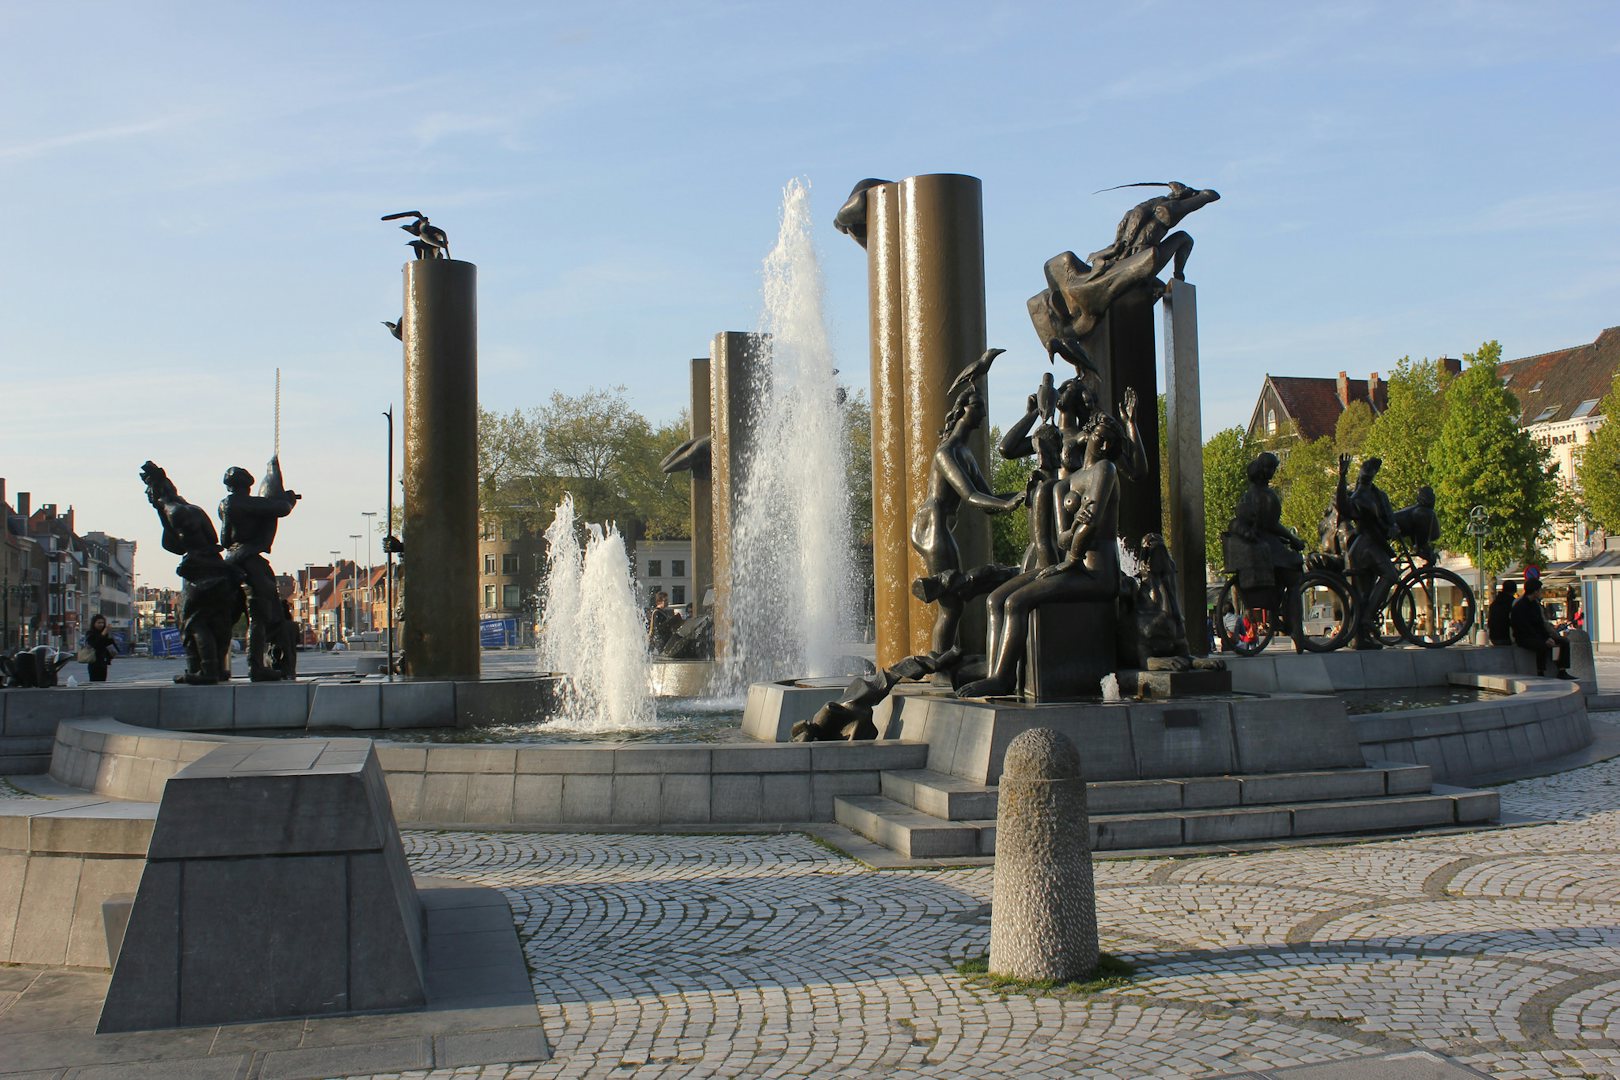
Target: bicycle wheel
<point>1243,630</point>
<point>1389,632</point>
<point>1327,611</point>
<point>1417,608</point>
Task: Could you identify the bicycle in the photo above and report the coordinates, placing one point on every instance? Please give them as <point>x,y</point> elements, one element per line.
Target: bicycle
<point>1415,595</point>
<point>1322,596</point>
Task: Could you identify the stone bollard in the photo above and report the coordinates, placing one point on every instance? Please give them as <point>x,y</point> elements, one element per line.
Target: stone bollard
<point>1043,920</point>
<point>1581,664</point>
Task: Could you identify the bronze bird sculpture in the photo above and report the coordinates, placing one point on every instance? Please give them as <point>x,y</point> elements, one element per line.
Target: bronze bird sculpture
<point>431,241</point>
<point>395,328</point>
<point>973,371</point>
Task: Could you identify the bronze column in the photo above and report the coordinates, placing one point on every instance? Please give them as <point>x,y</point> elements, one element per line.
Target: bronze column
<point>1183,418</point>
<point>702,490</point>
<point>943,331</point>
<point>891,511</point>
<point>440,589</point>
<point>1134,361</point>
<point>734,361</point>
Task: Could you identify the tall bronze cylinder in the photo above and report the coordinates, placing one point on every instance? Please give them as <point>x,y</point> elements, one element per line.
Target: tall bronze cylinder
<point>440,588</point>
<point>734,362</point>
<point>1133,361</point>
<point>942,290</point>
<point>702,489</point>
<point>891,510</point>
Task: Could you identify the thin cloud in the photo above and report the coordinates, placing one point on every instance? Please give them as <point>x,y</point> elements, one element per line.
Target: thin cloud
<point>53,143</point>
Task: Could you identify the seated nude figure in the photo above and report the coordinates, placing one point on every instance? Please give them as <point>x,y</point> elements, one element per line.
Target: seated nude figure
<point>1088,527</point>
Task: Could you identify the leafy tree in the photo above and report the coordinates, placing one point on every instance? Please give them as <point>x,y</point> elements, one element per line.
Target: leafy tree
<point>1404,435</point>
<point>1307,479</point>
<point>1597,465</point>
<point>858,427</point>
<point>1355,424</point>
<point>1483,458</point>
<point>1226,464</point>
<point>1009,532</point>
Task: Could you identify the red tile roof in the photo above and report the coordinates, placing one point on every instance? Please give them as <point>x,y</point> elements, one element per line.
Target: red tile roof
<point>1553,385</point>
<point>1313,404</point>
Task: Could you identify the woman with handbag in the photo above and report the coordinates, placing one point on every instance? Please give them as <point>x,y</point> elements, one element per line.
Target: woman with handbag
<point>98,649</point>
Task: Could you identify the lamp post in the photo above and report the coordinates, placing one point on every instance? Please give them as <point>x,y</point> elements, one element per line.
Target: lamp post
<point>1479,523</point>
<point>371,623</point>
<point>338,596</point>
<point>354,584</point>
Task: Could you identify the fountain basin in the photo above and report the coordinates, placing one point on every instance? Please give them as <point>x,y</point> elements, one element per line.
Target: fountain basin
<point>681,678</point>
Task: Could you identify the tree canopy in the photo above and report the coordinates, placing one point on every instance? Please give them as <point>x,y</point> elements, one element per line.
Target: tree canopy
<point>1404,435</point>
<point>1483,458</point>
<point>1306,480</point>
<point>1597,466</point>
<point>1226,464</point>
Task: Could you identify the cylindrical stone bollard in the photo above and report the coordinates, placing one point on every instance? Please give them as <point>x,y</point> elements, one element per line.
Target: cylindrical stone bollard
<point>1043,920</point>
<point>440,587</point>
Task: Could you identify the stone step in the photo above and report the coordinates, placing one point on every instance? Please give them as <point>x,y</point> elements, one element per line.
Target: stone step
<point>953,798</point>
<point>916,834</point>
<point>910,832</point>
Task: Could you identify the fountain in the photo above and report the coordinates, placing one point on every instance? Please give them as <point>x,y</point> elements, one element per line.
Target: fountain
<point>592,629</point>
<point>791,566</point>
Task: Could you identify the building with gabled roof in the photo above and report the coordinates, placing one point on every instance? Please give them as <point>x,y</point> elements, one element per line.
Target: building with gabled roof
<point>1307,408</point>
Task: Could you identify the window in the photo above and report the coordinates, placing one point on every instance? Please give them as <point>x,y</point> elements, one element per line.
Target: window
<point>506,532</point>
<point>1536,389</point>
<point>489,531</point>
<point>655,567</point>
<point>677,568</point>
<point>509,564</point>
<point>677,594</point>
<point>489,564</point>
<point>511,597</point>
<point>489,598</point>
<point>1584,408</point>
<point>1271,421</point>
<point>1546,414</point>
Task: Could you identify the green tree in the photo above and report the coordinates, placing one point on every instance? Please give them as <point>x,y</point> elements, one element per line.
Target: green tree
<point>1404,435</point>
<point>1355,424</point>
<point>1009,532</point>
<point>1226,464</point>
<point>1597,466</point>
<point>1483,458</point>
<point>1306,480</point>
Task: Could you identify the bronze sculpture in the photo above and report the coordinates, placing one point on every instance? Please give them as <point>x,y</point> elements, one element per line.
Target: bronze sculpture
<point>431,241</point>
<point>211,596</point>
<point>1371,557</point>
<point>1262,551</point>
<point>248,530</point>
<point>34,668</point>
<point>1088,532</point>
<point>953,479</point>
<point>851,217</point>
<point>1079,292</point>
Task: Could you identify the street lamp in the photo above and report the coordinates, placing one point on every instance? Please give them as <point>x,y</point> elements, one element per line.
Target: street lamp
<point>368,515</point>
<point>354,583</point>
<point>1479,524</point>
<point>336,555</point>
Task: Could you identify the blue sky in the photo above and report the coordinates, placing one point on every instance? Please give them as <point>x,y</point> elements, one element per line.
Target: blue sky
<point>193,190</point>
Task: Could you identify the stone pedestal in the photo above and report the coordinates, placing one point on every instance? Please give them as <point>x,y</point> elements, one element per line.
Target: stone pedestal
<point>439,593</point>
<point>275,886</point>
<point>1069,649</point>
<point>1173,684</point>
<point>1043,918</point>
<point>1185,443</point>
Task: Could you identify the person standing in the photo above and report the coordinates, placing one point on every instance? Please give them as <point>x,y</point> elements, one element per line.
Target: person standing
<point>662,622</point>
<point>102,646</point>
<point>1530,630</point>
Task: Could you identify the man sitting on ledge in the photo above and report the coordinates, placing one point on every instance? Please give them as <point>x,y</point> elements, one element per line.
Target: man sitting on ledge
<point>1530,630</point>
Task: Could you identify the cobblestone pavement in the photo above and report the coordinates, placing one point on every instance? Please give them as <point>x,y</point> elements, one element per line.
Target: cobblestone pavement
<point>769,955</point>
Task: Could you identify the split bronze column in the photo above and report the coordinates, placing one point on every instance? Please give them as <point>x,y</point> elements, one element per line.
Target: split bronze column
<point>702,488</point>
<point>925,264</point>
<point>440,588</point>
<point>735,359</point>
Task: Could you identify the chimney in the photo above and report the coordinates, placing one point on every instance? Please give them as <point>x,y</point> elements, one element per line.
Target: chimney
<point>25,505</point>
<point>1344,390</point>
<point>2,490</point>
<point>1372,390</point>
<point>1451,366</point>
<point>70,519</point>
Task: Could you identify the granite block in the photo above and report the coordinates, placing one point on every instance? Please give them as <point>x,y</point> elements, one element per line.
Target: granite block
<point>537,799</point>
<point>350,706</point>
<point>587,799</point>
<point>636,799</point>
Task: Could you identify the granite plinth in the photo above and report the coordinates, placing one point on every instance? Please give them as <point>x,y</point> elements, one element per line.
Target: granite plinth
<point>1173,684</point>
<point>1069,650</point>
<point>275,886</point>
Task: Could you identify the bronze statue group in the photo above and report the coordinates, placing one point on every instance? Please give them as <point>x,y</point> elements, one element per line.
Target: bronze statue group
<point>217,589</point>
